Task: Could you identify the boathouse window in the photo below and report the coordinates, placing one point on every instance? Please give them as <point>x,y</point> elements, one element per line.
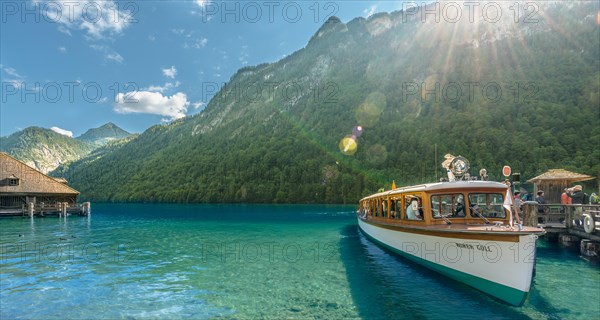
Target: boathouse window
<point>489,205</point>
<point>448,205</point>
<point>384,205</point>
<point>13,181</point>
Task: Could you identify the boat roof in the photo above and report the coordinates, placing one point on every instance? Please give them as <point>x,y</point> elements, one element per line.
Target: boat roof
<point>473,184</point>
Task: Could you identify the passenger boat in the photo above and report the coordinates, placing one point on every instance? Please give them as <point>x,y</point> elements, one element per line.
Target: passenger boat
<point>462,228</point>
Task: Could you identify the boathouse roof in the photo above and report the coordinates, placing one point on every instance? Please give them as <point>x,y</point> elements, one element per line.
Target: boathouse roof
<point>560,174</point>
<point>28,180</point>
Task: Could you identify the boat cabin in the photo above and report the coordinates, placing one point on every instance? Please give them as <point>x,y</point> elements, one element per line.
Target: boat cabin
<point>461,202</point>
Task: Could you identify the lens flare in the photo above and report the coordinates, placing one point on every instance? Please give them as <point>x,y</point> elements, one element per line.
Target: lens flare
<point>348,145</point>
<point>370,110</point>
<point>377,154</point>
<point>357,131</point>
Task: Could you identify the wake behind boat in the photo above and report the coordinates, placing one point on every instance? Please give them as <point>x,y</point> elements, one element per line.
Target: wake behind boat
<point>462,229</point>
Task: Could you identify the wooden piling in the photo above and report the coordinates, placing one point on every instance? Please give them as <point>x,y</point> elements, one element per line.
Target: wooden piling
<point>87,208</point>
<point>530,218</point>
<point>590,249</point>
<point>569,241</point>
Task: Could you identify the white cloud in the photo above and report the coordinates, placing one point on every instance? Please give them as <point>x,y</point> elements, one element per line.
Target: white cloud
<point>243,58</point>
<point>109,54</point>
<point>64,30</point>
<point>62,49</point>
<point>114,56</point>
<point>62,131</point>
<point>198,105</point>
<point>200,43</point>
<point>18,82</point>
<point>15,83</point>
<point>10,71</point>
<point>370,11</point>
<point>170,72</point>
<point>202,3</point>
<point>97,18</point>
<point>161,89</point>
<point>174,106</point>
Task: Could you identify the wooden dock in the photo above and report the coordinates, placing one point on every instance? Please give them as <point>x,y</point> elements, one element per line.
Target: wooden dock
<point>61,209</point>
<point>571,225</point>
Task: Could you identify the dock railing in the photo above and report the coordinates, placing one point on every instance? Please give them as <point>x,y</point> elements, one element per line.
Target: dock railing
<point>581,220</point>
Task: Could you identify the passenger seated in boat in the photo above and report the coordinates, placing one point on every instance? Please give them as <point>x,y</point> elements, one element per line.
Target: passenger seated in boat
<point>413,211</point>
<point>460,208</point>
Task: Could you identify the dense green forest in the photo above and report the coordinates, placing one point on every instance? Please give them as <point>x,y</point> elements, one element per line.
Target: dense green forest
<point>520,94</point>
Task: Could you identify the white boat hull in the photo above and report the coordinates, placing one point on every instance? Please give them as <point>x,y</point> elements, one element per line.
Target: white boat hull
<point>502,269</point>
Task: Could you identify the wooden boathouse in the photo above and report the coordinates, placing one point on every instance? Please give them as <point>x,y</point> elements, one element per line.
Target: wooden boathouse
<point>554,181</point>
<point>26,191</point>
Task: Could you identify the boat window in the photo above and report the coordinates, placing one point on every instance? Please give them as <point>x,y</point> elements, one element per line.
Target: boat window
<point>414,207</point>
<point>395,205</point>
<point>488,205</point>
<point>448,205</point>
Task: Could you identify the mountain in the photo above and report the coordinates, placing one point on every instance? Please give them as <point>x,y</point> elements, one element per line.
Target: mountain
<point>375,100</point>
<point>104,134</point>
<point>45,149</point>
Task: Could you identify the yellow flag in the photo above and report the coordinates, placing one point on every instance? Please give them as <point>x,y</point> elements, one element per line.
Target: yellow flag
<point>393,185</point>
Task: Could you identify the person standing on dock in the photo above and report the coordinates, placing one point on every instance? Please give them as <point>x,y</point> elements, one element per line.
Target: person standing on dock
<point>565,200</point>
<point>541,202</point>
<point>577,197</point>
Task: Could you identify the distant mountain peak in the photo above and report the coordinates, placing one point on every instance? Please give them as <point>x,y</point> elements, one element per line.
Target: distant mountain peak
<point>104,134</point>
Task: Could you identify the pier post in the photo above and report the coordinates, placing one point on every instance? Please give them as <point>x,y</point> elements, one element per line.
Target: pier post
<point>64,209</point>
<point>569,241</point>
<point>31,208</point>
<point>530,214</point>
<point>87,208</point>
<point>590,249</point>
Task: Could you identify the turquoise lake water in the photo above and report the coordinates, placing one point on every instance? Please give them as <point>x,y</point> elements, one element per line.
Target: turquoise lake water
<point>139,261</point>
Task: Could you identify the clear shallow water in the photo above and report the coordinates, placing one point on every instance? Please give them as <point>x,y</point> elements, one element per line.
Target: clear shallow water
<point>234,261</point>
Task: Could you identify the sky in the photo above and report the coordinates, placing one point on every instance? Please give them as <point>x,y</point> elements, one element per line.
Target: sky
<point>72,65</point>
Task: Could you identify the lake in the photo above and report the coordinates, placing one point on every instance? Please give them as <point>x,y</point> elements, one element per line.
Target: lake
<point>137,261</point>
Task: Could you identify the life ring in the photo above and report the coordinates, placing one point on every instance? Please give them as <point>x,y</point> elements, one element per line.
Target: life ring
<point>588,223</point>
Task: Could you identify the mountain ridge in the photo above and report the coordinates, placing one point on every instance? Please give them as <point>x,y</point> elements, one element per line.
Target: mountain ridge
<point>45,149</point>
